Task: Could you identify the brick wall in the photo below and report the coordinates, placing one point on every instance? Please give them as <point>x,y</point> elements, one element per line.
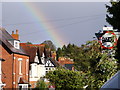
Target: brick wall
<point>6,67</point>
<point>10,68</point>
<point>24,74</point>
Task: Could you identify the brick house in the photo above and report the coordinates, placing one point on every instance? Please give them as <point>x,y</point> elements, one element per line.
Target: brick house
<point>14,61</point>
<point>41,61</point>
<point>66,62</point>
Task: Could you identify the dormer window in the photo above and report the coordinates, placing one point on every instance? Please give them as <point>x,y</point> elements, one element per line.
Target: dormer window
<point>16,44</point>
<point>15,41</point>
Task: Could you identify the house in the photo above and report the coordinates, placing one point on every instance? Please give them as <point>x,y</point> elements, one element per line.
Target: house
<point>41,61</point>
<point>66,62</point>
<point>1,83</point>
<point>14,62</point>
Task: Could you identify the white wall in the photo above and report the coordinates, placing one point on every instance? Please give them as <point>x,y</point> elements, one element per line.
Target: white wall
<point>37,71</point>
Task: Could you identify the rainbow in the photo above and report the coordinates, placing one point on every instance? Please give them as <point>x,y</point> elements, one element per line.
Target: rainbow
<point>49,29</point>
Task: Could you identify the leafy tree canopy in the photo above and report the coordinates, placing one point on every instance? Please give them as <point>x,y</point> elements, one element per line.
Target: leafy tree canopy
<point>97,64</point>
<point>114,14</point>
<point>41,85</point>
<point>49,44</point>
<point>28,42</point>
<point>65,79</point>
<point>114,19</point>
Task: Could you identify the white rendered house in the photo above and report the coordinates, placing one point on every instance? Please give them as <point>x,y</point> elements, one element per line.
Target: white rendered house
<point>40,62</point>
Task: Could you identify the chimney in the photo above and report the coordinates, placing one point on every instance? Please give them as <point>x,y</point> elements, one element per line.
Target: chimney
<point>15,36</point>
<point>12,32</point>
<point>16,31</point>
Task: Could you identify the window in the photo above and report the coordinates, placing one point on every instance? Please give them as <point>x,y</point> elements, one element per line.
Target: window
<point>27,67</point>
<point>23,86</point>
<point>20,87</point>
<point>30,73</point>
<point>20,65</point>
<point>16,44</point>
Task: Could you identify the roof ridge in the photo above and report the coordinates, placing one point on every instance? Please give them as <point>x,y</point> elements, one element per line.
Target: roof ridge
<point>1,28</point>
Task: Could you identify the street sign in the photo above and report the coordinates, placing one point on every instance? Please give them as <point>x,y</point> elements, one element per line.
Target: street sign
<point>108,40</point>
<point>108,37</point>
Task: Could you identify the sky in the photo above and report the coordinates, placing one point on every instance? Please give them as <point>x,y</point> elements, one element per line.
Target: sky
<point>60,22</point>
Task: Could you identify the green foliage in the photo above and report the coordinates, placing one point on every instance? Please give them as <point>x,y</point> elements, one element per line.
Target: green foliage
<point>104,70</point>
<point>59,53</point>
<point>68,51</point>
<point>41,85</point>
<point>84,56</point>
<point>29,43</point>
<point>114,17</point>
<point>88,56</point>
<point>117,56</point>
<point>49,44</point>
<point>97,65</point>
<point>65,79</point>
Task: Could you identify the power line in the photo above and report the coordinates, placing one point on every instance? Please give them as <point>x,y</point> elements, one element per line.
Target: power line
<point>62,26</point>
<point>55,20</point>
<point>78,22</point>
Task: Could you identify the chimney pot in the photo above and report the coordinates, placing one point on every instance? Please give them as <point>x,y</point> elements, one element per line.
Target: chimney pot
<point>16,31</point>
<point>16,35</point>
<point>12,32</point>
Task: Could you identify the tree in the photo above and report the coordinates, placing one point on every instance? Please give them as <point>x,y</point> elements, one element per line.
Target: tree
<point>114,10</point>
<point>103,71</point>
<point>70,51</point>
<point>97,64</point>
<point>114,20</point>
<point>89,54</point>
<point>65,79</point>
<point>117,56</point>
<point>64,50</point>
<point>59,53</point>
<point>41,85</point>
<point>29,43</point>
<point>49,44</point>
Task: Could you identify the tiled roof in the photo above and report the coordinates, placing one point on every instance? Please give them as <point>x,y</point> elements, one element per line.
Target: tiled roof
<point>32,45</point>
<point>32,49</point>
<point>64,61</point>
<point>4,37</point>
<point>56,63</point>
<point>22,81</point>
